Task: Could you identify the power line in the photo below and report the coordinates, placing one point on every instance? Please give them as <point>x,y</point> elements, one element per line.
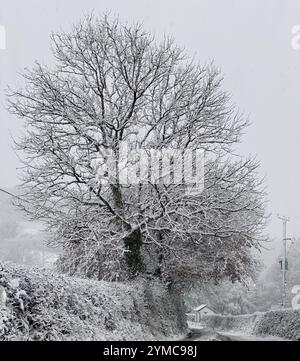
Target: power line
<point>13,195</point>
<point>6,192</point>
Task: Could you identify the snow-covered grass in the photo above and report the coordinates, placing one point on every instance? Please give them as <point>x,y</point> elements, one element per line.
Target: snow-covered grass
<point>281,323</point>
<point>43,305</point>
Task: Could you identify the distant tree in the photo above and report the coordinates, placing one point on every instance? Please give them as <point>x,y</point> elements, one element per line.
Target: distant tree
<point>113,83</point>
<point>224,298</point>
<point>9,229</point>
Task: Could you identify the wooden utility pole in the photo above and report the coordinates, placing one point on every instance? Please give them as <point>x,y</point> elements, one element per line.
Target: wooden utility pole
<point>284,259</point>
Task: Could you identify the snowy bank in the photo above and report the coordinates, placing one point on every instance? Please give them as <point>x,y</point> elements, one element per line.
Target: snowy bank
<point>43,305</point>
<point>280,323</point>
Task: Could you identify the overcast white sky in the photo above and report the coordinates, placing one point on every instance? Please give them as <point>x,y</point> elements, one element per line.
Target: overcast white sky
<point>249,39</point>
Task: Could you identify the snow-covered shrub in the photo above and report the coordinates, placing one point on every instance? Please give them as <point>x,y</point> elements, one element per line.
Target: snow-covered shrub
<point>281,323</point>
<point>43,305</point>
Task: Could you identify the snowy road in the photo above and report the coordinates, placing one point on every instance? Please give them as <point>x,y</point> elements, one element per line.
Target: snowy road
<point>241,337</point>
<point>207,334</point>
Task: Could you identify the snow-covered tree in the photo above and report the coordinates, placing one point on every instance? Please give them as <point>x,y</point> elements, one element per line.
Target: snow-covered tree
<point>224,298</point>
<point>113,83</point>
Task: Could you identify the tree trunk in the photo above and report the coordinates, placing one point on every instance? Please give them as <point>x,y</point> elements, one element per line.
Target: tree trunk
<point>133,256</point>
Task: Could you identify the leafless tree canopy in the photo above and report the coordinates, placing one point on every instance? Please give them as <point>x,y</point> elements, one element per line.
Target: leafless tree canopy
<point>114,83</point>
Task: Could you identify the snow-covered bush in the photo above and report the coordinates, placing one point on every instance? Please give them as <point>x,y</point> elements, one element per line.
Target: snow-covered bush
<point>42,305</point>
<point>281,323</point>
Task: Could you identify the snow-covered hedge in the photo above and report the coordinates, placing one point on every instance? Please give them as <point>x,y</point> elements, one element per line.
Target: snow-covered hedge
<point>42,305</point>
<point>281,323</point>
